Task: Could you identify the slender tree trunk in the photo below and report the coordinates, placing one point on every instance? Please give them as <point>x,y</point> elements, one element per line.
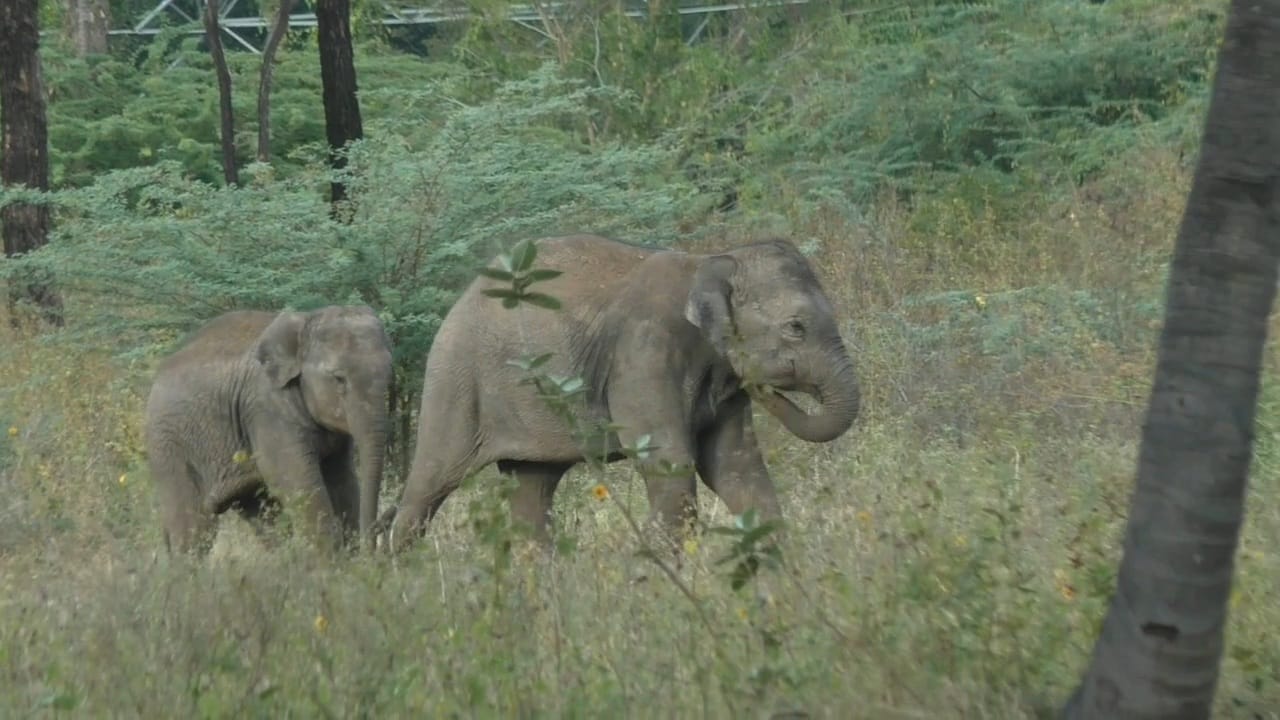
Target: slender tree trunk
<point>87,24</point>
<point>214,37</point>
<point>24,151</point>
<point>1161,644</point>
<point>278,31</point>
<point>338,77</point>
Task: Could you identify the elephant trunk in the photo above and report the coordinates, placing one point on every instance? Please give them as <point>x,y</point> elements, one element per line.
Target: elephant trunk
<point>371,447</point>
<point>833,383</point>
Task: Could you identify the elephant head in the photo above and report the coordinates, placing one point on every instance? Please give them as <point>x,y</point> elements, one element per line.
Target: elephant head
<point>762,308</point>
<point>339,361</point>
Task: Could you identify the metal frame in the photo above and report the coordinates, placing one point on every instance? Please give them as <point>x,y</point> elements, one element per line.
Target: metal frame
<point>527,16</point>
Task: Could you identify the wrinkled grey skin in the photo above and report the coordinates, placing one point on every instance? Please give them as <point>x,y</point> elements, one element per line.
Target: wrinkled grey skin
<point>302,395</point>
<point>664,340</point>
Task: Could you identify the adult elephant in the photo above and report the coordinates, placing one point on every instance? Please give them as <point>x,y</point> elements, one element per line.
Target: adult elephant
<point>259,408</point>
<point>668,344</point>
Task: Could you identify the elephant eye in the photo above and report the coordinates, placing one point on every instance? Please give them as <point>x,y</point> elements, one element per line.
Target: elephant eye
<point>340,378</point>
<point>794,328</point>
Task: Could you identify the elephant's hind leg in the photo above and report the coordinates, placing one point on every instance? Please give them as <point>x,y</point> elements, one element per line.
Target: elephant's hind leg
<point>536,484</point>
<point>422,499</point>
<point>449,446</point>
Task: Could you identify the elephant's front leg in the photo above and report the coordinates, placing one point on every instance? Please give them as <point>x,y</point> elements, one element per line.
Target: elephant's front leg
<point>730,462</point>
<point>666,463</point>
<point>535,488</point>
<point>291,471</point>
<point>646,397</point>
<point>340,479</point>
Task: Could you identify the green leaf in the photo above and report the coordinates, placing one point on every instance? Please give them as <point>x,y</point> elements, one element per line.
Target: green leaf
<point>541,274</point>
<point>538,361</point>
<point>743,572</point>
<point>523,255</point>
<point>541,300</point>
<point>503,293</point>
<point>495,274</point>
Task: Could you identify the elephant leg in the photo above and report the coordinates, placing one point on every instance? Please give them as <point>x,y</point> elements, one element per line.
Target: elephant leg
<point>423,497</point>
<point>668,472</point>
<point>292,472</point>
<point>672,491</point>
<point>448,448</point>
<point>730,463</point>
<point>187,525</point>
<point>340,479</point>
<point>259,510</point>
<point>536,484</point>
<point>643,401</point>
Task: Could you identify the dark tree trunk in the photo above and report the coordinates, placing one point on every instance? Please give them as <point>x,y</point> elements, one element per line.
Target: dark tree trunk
<point>338,76</point>
<point>24,151</point>
<point>228,121</point>
<point>1161,644</point>
<point>87,24</point>
<point>278,31</point>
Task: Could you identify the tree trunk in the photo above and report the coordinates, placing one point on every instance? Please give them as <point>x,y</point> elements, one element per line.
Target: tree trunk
<point>338,77</point>
<point>214,37</point>
<point>1161,644</point>
<point>87,24</point>
<point>24,151</point>
<point>278,31</point>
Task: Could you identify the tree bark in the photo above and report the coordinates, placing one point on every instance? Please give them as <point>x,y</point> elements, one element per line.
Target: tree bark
<point>338,78</point>
<point>24,151</point>
<point>1159,651</point>
<point>87,24</point>
<point>227,115</point>
<point>278,30</point>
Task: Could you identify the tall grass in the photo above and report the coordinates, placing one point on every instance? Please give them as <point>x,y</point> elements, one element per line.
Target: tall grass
<point>949,557</point>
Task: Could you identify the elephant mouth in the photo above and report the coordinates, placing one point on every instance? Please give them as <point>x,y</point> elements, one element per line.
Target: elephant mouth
<point>803,395</point>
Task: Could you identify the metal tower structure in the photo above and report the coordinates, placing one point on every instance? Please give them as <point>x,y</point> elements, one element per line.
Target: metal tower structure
<point>243,25</point>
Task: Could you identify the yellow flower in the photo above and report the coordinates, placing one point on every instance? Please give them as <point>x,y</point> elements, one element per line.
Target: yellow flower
<point>124,478</point>
<point>601,492</point>
<point>241,457</point>
<point>864,517</point>
<point>690,546</point>
<point>321,623</point>
<point>13,431</point>
<point>742,614</point>
<point>960,541</point>
<point>980,300</point>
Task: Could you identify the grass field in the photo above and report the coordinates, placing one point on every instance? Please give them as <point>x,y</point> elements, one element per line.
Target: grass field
<point>951,557</point>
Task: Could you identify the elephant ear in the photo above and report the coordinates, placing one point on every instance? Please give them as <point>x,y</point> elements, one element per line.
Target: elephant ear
<point>708,307</point>
<point>280,348</point>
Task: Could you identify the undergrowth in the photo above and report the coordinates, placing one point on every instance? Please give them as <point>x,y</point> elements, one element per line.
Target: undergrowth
<point>996,258</point>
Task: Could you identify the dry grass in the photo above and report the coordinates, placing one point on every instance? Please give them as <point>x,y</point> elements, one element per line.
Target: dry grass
<point>951,557</point>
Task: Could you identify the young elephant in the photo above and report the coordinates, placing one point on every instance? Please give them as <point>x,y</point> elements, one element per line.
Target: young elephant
<point>667,343</point>
<point>258,408</point>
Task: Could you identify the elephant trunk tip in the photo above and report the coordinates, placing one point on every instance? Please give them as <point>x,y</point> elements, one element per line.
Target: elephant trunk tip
<point>839,406</point>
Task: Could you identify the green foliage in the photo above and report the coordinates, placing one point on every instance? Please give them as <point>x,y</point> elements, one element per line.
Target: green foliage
<point>909,94</point>
<point>749,553</point>
<point>161,104</point>
<point>147,253</point>
<point>989,190</point>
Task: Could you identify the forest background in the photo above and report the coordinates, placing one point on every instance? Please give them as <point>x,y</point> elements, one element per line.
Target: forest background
<point>990,191</point>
